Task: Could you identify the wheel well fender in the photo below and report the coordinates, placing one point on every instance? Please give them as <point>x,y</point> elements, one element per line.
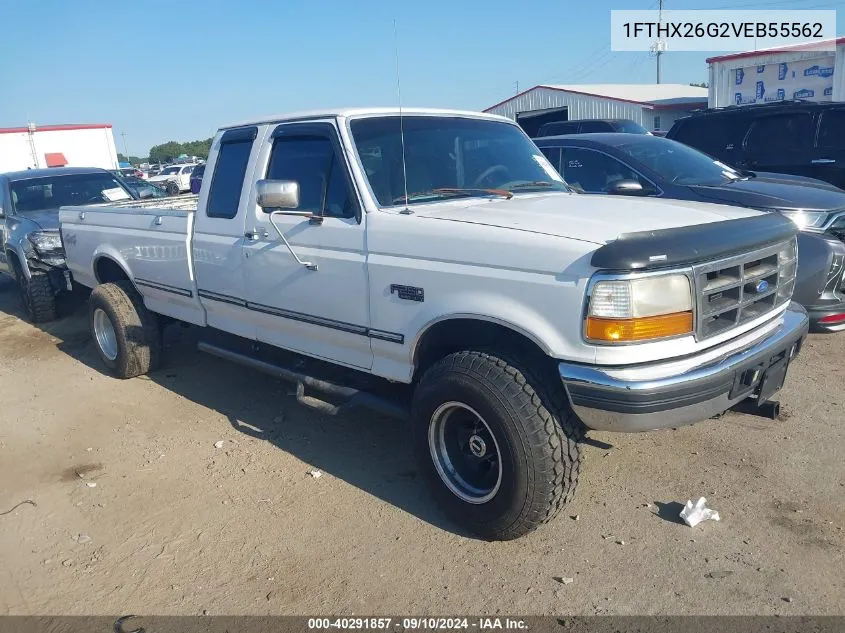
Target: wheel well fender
<point>107,269</point>
<point>448,335</point>
<point>14,258</point>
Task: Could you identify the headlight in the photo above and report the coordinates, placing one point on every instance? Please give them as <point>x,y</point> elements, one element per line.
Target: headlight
<point>46,242</point>
<point>640,309</point>
<point>806,220</point>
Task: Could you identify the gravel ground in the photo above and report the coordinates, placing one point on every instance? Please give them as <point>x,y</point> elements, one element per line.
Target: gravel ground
<point>189,491</point>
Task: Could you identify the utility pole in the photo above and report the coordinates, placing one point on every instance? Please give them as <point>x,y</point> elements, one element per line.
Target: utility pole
<point>659,44</point>
<point>126,151</point>
<point>30,129</point>
<point>517,87</point>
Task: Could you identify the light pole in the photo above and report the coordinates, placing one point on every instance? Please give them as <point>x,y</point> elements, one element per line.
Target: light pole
<point>125,151</point>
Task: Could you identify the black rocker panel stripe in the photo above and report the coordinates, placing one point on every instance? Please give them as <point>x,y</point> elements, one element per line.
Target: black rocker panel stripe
<point>163,287</point>
<point>382,335</point>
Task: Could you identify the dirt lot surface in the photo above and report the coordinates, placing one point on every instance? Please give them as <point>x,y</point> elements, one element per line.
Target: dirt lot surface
<point>139,511</point>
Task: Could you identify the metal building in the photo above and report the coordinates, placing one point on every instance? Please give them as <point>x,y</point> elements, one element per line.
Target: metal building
<point>777,74</point>
<point>89,145</point>
<point>654,106</point>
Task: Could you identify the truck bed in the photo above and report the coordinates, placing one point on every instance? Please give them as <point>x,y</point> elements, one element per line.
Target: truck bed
<point>149,240</point>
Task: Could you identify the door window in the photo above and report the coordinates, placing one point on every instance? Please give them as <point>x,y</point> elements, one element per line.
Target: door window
<point>311,161</point>
<point>228,179</point>
<point>594,172</point>
<point>772,136</point>
<point>714,135</point>
<point>832,130</point>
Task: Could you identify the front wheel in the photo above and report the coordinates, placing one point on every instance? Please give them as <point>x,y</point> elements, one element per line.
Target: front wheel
<point>37,296</point>
<point>126,334</point>
<point>499,448</point>
<point>172,189</point>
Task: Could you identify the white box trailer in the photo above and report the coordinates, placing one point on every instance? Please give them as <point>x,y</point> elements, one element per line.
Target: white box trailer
<point>802,71</point>
<point>74,145</point>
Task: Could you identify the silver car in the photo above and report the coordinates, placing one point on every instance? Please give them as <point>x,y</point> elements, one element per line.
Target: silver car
<point>32,252</point>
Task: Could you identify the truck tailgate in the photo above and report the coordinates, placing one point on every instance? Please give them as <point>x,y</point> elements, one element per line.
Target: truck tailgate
<point>150,244</point>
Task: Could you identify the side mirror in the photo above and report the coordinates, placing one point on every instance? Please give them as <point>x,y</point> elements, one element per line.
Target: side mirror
<point>626,188</point>
<point>277,194</point>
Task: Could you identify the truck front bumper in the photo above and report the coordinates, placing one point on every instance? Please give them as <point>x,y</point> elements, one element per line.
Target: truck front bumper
<point>683,391</point>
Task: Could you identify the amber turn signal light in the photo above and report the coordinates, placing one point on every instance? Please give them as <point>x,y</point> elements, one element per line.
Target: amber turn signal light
<point>640,328</point>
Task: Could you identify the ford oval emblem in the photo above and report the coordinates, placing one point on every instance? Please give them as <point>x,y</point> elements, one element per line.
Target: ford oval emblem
<point>762,286</point>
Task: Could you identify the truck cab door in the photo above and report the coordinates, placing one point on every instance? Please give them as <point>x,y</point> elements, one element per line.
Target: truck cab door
<point>781,143</point>
<point>828,161</point>
<point>311,294</point>
<point>218,237</point>
<point>185,178</point>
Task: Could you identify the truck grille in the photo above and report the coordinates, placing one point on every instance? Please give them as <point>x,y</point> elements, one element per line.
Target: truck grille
<point>738,289</point>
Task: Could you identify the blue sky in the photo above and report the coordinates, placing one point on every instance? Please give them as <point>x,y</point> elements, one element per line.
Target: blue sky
<point>177,70</point>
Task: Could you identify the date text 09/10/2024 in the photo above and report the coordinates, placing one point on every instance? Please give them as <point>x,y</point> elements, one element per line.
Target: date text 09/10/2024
<point>417,623</point>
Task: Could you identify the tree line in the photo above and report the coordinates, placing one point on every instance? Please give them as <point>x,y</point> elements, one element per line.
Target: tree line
<point>170,151</point>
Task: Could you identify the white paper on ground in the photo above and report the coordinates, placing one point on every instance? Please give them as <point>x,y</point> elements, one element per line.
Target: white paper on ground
<point>695,514</point>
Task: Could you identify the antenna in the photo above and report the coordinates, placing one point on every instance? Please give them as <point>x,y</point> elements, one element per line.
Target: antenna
<point>406,211</point>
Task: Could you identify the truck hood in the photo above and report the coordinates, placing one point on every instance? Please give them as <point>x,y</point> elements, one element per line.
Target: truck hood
<point>588,218</point>
<point>39,220</point>
<point>162,178</point>
<point>774,193</point>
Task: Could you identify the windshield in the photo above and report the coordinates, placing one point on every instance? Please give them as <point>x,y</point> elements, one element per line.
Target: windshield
<point>449,157</point>
<point>52,192</point>
<point>170,170</point>
<point>678,163</point>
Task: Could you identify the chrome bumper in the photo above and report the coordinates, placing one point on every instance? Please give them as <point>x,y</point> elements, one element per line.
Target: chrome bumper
<point>631,399</point>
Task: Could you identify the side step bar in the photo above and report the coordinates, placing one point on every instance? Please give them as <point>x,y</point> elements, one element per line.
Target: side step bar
<point>351,398</point>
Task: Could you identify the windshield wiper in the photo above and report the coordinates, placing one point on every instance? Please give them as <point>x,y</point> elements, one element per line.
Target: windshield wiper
<point>453,192</point>
<point>541,184</point>
<point>534,184</point>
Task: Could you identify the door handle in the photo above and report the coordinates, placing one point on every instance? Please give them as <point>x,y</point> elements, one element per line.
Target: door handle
<point>823,161</point>
<point>256,235</point>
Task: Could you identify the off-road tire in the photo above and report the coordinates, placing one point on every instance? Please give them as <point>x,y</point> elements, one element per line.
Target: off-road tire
<point>37,295</point>
<point>136,329</point>
<point>172,188</point>
<point>537,433</point>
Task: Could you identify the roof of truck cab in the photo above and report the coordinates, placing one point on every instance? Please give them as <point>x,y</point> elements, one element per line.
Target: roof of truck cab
<point>26,174</point>
<point>306,115</point>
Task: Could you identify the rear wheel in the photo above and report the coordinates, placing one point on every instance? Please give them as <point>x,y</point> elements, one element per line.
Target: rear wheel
<point>37,296</point>
<point>126,334</point>
<point>499,448</point>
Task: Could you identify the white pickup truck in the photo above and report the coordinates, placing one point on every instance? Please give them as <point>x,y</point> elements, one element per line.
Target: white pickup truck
<point>433,265</point>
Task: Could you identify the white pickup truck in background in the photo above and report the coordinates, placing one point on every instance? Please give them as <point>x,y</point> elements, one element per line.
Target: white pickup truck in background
<point>433,265</point>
